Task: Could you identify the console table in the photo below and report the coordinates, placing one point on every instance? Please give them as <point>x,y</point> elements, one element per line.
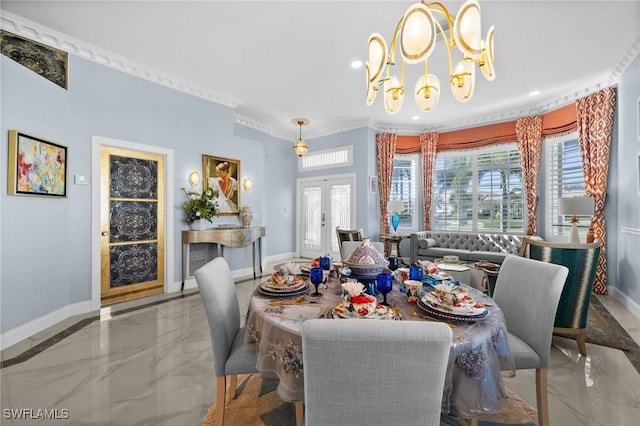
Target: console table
<point>230,237</point>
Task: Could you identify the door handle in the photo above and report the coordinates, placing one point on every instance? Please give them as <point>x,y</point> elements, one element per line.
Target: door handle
<point>322,219</point>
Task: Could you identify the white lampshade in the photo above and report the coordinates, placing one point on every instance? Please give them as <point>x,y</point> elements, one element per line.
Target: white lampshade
<point>579,206</point>
<point>576,206</point>
<point>393,95</point>
<point>427,92</point>
<point>395,206</point>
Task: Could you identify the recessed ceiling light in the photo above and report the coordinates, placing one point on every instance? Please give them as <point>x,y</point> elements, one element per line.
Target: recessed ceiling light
<point>415,117</point>
<point>356,64</point>
<point>533,93</point>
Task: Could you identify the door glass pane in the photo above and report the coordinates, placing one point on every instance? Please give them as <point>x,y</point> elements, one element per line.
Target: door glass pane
<point>340,211</point>
<point>312,214</point>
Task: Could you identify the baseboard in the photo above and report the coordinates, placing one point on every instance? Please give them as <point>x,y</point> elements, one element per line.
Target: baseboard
<point>625,300</point>
<point>25,331</point>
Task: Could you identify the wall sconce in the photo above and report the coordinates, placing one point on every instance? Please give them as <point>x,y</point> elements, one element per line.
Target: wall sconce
<point>247,184</point>
<point>194,178</point>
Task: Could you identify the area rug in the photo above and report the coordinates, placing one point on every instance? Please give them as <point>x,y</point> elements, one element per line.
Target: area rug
<point>258,404</point>
<point>604,330</point>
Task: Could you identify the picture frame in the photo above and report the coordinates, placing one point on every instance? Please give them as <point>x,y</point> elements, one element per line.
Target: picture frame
<point>373,184</point>
<point>46,61</point>
<point>638,172</point>
<point>36,166</point>
<point>223,174</point>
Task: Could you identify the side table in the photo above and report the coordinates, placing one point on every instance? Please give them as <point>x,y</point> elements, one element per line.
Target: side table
<point>389,239</point>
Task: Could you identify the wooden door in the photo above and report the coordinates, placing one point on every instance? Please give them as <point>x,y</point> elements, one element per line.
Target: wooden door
<point>131,224</point>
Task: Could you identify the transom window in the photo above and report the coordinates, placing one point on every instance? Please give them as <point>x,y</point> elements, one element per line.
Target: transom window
<point>479,191</point>
<point>326,159</point>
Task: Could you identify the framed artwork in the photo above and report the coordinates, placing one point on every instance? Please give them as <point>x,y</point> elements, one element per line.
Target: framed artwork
<point>223,174</point>
<point>638,172</point>
<point>373,184</point>
<point>44,60</point>
<point>36,166</point>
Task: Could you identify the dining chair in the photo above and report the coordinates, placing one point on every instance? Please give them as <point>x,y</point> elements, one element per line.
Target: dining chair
<point>348,235</point>
<point>349,246</point>
<point>582,261</point>
<point>528,291</point>
<point>387,373</point>
<point>231,354</point>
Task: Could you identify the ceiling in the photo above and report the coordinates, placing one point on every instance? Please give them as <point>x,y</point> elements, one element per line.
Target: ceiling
<point>273,61</point>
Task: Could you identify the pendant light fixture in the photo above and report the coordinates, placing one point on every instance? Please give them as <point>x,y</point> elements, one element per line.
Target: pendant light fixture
<point>300,147</point>
<point>416,35</point>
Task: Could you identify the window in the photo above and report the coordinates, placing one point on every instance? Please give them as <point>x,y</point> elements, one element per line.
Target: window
<point>479,191</point>
<point>565,178</point>
<point>404,181</point>
<point>337,157</point>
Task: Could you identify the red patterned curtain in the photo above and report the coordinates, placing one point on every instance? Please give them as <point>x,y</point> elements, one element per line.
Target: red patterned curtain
<point>386,148</point>
<point>529,137</point>
<point>595,126</point>
<point>428,145</point>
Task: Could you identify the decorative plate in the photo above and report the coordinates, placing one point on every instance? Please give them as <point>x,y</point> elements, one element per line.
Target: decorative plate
<point>267,292</point>
<point>445,312</point>
<point>297,283</point>
<point>382,312</point>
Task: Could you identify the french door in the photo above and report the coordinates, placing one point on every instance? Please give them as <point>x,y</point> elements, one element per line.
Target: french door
<point>324,204</point>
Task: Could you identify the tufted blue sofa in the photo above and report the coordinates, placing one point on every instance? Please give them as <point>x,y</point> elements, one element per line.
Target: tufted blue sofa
<point>470,247</point>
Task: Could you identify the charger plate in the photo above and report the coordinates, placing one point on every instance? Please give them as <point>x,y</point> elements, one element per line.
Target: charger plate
<point>297,292</point>
<point>433,310</point>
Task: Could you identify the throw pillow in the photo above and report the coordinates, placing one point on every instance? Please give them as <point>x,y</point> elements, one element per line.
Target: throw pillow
<point>426,243</point>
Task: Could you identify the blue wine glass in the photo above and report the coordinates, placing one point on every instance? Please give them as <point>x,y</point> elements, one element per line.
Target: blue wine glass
<point>325,263</point>
<point>316,277</point>
<point>416,273</point>
<point>385,284</point>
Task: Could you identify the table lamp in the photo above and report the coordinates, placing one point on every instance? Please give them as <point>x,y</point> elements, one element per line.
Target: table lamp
<point>576,206</point>
<point>394,207</point>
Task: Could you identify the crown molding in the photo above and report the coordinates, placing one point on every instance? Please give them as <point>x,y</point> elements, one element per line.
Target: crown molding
<point>256,125</point>
<point>36,32</point>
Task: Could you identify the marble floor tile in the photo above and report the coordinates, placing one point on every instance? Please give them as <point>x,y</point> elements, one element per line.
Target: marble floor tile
<point>150,362</point>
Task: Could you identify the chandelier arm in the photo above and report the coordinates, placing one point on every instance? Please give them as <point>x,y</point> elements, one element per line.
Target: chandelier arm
<point>440,8</point>
<point>444,36</point>
<point>391,57</point>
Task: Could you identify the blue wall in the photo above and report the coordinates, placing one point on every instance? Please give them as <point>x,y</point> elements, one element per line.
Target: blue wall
<point>46,243</point>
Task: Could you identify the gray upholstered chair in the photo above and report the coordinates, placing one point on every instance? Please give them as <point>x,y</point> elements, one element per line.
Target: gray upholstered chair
<point>231,354</point>
<point>582,261</point>
<point>528,292</point>
<point>348,235</point>
<point>387,373</point>
<point>349,246</point>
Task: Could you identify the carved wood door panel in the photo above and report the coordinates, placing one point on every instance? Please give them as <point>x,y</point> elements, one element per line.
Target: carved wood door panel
<point>131,224</point>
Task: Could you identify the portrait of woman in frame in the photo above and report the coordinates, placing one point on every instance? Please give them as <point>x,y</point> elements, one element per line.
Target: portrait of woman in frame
<point>223,175</point>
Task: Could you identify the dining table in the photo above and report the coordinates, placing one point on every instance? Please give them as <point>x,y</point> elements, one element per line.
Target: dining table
<point>478,361</point>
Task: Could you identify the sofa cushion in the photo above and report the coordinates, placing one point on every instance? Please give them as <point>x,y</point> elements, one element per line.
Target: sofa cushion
<point>426,243</point>
<point>439,252</point>
<point>489,256</point>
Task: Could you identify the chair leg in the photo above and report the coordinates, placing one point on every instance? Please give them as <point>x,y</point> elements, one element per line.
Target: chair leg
<point>233,383</point>
<point>299,413</point>
<point>582,347</point>
<point>221,389</point>
<point>542,397</point>
<point>472,422</point>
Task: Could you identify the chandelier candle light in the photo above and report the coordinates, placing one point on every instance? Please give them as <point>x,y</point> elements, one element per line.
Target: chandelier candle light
<point>416,33</point>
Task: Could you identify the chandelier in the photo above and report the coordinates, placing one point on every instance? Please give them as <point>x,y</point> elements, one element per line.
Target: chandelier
<point>416,35</point>
<point>300,147</point>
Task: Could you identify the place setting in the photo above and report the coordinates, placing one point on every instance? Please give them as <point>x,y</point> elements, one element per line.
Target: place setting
<point>452,302</point>
<point>356,304</point>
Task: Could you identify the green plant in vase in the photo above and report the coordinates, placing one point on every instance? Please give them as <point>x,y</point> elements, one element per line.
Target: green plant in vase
<point>200,206</point>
